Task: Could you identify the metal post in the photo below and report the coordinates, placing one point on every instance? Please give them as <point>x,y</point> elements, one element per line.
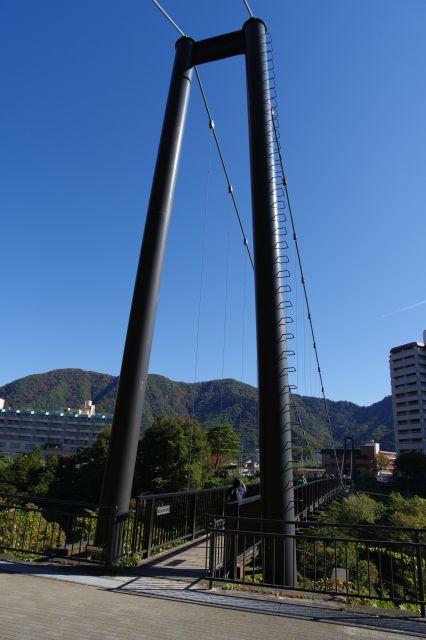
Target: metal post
<point>136,525</point>
<point>211,537</point>
<point>148,526</point>
<point>420,578</point>
<point>274,393</point>
<point>194,514</point>
<point>119,469</point>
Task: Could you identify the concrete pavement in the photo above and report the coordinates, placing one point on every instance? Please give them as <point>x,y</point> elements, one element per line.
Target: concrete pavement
<point>39,603</point>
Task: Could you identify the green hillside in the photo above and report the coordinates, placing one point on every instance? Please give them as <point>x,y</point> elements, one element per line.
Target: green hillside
<point>210,402</point>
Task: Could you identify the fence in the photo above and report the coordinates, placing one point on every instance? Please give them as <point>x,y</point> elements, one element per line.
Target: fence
<point>165,518</point>
<point>51,528</point>
<point>310,497</point>
<point>366,562</point>
<point>47,528</point>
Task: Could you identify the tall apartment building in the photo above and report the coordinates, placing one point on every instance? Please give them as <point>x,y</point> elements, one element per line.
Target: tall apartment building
<point>408,378</point>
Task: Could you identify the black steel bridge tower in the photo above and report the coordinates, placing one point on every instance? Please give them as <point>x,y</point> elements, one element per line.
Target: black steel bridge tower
<point>274,390</point>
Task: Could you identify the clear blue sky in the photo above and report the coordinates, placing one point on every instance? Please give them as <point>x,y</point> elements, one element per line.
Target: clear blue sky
<point>83,92</point>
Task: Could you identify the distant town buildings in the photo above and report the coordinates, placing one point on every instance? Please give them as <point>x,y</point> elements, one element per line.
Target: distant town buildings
<point>364,461</point>
<point>54,432</point>
<point>408,378</point>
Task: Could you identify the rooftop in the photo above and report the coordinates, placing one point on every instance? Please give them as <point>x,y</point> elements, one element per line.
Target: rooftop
<point>56,414</point>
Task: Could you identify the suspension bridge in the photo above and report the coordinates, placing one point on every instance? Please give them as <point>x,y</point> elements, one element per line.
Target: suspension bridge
<point>270,262</point>
<point>273,230</point>
<point>270,532</point>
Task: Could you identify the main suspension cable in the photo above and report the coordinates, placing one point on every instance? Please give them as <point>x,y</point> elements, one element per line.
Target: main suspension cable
<point>305,292</point>
<point>166,15</point>
<point>248,8</point>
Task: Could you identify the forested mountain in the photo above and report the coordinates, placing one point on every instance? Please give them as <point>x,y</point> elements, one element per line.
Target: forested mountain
<point>209,402</point>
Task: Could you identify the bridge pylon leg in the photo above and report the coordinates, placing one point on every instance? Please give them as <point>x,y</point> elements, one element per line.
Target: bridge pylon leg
<point>125,432</point>
<point>276,459</point>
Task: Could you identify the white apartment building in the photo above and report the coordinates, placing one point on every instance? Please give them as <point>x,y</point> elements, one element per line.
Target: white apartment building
<point>54,432</point>
<point>408,378</point>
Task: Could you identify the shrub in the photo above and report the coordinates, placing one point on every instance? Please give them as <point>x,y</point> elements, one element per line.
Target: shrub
<point>25,531</point>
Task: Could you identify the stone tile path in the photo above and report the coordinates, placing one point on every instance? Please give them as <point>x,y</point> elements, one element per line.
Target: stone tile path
<point>50,602</point>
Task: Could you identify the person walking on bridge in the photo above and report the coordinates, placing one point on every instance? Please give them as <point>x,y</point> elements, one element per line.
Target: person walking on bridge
<point>238,490</point>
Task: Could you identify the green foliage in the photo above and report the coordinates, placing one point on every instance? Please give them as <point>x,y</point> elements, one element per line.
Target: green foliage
<point>130,560</point>
<point>55,390</point>
<point>79,477</point>
<point>406,513</point>
<point>355,509</point>
<point>380,463</point>
<point>17,527</point>
<point>84,526</point>
<point>362,557</point>
<point>28,474</point>
<point>360,508</point>
<point>412,465</point>
<point>172,456</point>
<point>224,443</point>
<point>7,484</point>
<point>215,401</point>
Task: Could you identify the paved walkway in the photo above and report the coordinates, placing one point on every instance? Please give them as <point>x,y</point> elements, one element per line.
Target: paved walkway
<point>47,602</point>
<point>184,562</point>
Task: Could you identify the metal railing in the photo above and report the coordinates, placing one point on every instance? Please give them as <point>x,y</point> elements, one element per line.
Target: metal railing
<point>164,519</point>
<point>363,562</point>
<point>311,497</point>
<point>47,528</point>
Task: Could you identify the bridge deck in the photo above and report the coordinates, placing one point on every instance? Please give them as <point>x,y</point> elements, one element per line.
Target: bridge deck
<point>183,562</point>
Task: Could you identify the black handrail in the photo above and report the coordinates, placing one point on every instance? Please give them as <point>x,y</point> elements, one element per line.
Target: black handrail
<point>366,567</point>
<point>157,521</point>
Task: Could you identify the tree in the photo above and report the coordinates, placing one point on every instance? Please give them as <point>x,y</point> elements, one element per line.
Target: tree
<point>79,477</point>
<point>28,474</point>
<point>381,462</point>
<point>355,509</point>
<point>7,484</point>
<point>406,513</point>
<point>172,456</point>
<point>412,465</point>
<point>223,441</point>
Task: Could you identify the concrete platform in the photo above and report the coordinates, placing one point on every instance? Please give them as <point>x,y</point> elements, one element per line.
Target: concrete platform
<point>50,602</point>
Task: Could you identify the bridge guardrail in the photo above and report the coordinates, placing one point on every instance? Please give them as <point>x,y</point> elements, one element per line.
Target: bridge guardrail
<point>308,499</point>
<point>361,562</point>
<point>49,527</point>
